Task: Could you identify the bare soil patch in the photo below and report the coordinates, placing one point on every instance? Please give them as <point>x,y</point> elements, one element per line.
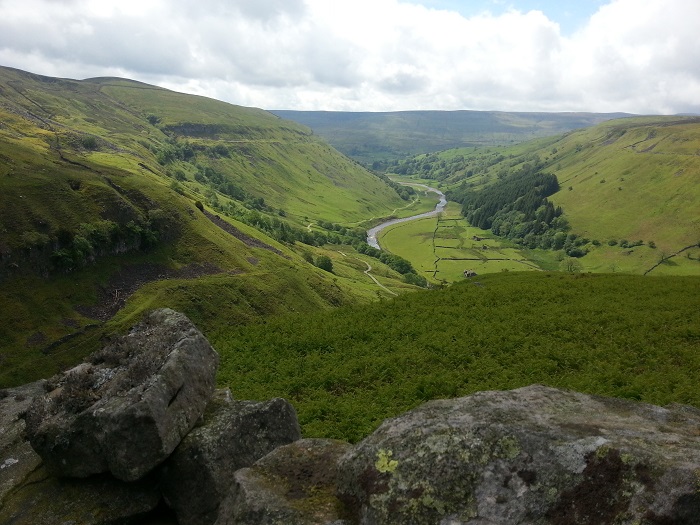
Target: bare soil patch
<point>238,234</point>
<point>113,296</point>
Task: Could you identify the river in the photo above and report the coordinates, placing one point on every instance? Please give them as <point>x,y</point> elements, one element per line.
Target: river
<point>372,234</point>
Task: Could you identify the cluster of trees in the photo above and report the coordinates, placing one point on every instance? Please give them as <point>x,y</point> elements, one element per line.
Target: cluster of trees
<point>516,207</point>
<point>209,176</point>
<point>174,150</point>
<point>283,231</point>
<point>68,250</point>
<point>405,192</point>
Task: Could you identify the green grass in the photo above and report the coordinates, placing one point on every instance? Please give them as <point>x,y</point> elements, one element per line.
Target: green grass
<point>442,249</point>
<point>624,336</point>
<point>634,179</point>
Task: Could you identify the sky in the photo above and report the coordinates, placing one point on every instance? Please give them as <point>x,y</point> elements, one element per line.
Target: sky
<point>635,56</point>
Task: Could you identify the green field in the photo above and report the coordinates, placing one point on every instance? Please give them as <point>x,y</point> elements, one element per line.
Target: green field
<point>442,248</point>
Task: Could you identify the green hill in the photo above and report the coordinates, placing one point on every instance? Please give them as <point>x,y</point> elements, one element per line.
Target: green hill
<point>379,138</point>
<point>629,190</point>
<point>117,196</point>
<point>636,179</point>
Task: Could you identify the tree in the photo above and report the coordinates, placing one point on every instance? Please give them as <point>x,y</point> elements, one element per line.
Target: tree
<point>571,265</point>
<point>324,262</point>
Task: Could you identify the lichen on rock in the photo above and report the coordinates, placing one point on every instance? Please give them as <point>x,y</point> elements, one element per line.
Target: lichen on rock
<point>531,455</point>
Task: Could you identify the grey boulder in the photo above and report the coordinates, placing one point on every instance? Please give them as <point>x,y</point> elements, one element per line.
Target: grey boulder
<point>126,409</point>
<point>30,496</point>
<point>233,435</point>
<point>534,455</point>
<point>293,485</point>
<point>17,458</point>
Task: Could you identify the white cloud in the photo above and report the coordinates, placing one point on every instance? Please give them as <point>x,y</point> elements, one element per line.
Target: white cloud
<point>631,56</point>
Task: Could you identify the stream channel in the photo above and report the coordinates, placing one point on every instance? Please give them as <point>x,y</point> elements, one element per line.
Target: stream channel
<point>372,234</point>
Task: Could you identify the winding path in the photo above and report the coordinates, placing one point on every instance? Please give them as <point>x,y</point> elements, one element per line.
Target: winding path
<point>372,233</point>
<point>366,272</point>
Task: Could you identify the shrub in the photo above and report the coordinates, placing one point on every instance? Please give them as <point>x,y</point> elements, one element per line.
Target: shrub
<point>62,259</point>
<point>32,239</point>
<point>575,251</point>
<point>89,142</point>
<point>220,150</point>
<point>415,279</point>
<point>324,262</point>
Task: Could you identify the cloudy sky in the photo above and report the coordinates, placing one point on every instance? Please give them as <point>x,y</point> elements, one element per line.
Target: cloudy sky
<point>638,56</point>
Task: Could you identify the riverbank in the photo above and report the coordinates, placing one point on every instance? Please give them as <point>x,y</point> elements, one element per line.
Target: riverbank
<point>373,232</point>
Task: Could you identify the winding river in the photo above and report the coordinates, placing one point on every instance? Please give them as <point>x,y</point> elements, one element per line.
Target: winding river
<point>372,234</point>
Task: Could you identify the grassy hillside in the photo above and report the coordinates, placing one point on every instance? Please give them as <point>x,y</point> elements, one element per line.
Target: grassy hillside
<point>382,137</point>
<point>122,124</point>
<point>629,190</point>
<point>116,196</point>
<point>635,180</point>
<point>617,335</point>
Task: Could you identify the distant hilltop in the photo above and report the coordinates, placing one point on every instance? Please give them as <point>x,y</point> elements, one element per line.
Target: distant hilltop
<point>370,137</point>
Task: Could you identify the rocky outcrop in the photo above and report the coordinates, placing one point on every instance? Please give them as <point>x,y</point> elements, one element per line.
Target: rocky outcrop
<point>17,458</point>
<point>126,409</point>
<point>233,435</point>
<point>44,499</point>
<point>30,495</point>
<point>294,485</point>
<point>532,455</point>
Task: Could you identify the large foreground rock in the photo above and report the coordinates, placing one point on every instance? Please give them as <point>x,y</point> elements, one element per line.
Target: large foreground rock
<point>30,496</point>
<point>293,485</point>
<point>233,435</point>
<point>99,500</point>
<point>17,458</point>
<point>535,455</point>
<point>128,408</point>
